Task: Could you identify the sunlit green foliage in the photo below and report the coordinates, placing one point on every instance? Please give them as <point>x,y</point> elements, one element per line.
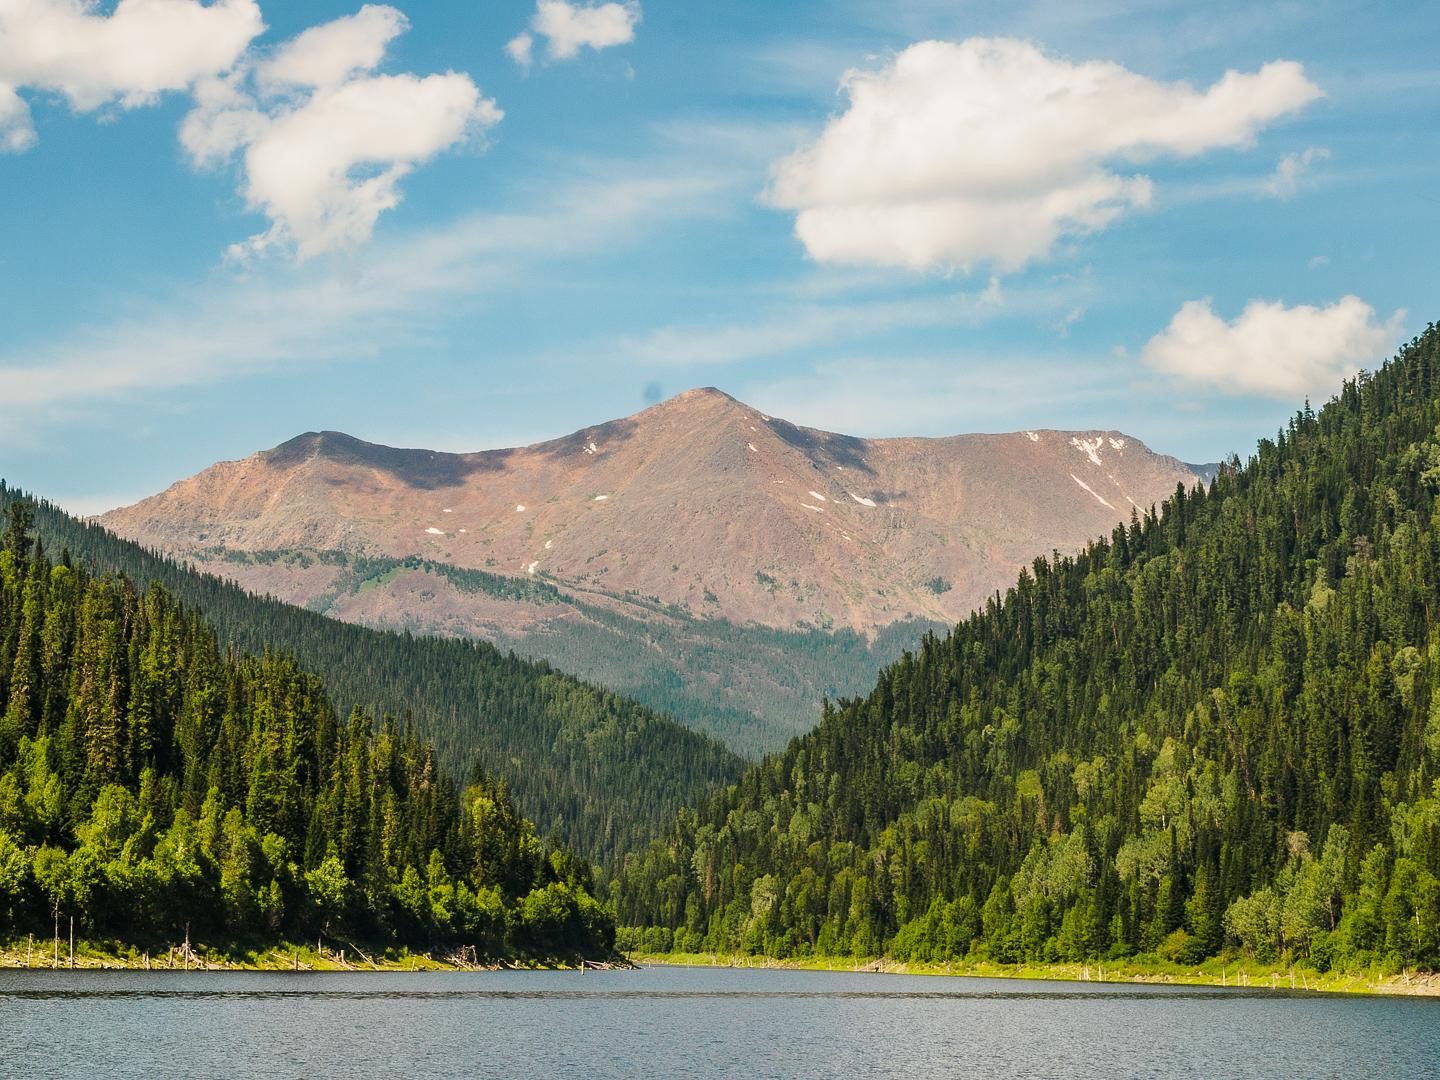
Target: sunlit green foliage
<point>590,767</point>
<point>153,782</point>
<point>1217,729</point>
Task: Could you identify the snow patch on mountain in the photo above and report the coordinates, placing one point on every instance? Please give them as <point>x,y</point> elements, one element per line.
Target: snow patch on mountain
<point>1088,488</point>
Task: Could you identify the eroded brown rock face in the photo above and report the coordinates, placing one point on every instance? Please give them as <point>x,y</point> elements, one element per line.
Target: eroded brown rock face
<point>700,501</point>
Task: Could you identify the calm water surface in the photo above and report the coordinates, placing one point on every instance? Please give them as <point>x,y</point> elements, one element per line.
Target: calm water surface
<point>689,1022</point>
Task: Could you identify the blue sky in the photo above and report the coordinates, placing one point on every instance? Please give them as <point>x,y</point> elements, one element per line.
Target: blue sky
<point>1010,216</point>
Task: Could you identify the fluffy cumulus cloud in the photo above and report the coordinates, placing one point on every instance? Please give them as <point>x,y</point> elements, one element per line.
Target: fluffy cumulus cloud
<point>1273,350</point>
<point>568,28</point>
<point>323,141</point>
<point>331,53</point>
<point>128,57</point>
<point>991,151</point>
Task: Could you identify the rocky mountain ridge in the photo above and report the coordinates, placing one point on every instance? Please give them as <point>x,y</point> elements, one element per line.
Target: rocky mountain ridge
<point>700,502</point>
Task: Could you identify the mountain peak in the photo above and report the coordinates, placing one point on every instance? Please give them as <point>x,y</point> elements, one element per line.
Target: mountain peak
<point>701,501</point>
<point>699,397</point>
<point>418,468</point>
<point>312,443</point>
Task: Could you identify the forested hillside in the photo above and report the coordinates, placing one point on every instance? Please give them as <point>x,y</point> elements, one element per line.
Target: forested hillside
<point>1216,729</point>
<point>154,784</point>
<point>588,766</point>
<point>753,687</point>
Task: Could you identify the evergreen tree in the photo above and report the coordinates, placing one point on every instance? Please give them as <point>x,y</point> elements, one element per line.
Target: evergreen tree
<point>592,769</point>
<point>151,780</point>
<point>1218,728</point>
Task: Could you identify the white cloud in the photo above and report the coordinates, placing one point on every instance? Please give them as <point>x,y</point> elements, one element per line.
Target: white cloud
<point>325,150</point>
<point>325,141</point>
<point>140,50</point>
<point>331,53</point>
<point>1285,181</point>
<point>989,150</point>
<point>568,28</point>
<point>17,133</point>
<point>1273,350</point>
<point>521,49</point>
<point>309,168</point>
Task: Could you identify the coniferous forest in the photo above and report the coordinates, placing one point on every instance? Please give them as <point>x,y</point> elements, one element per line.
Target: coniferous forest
<point>154,783</point>
<point>772,680</point>
<point>1215,732</point>
<point>590,767</point>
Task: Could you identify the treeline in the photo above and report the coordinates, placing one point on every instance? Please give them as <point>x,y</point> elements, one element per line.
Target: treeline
<point>152,781</point>
<point>593,769</point>
<point>1215,732</point>
<point>356,573</point>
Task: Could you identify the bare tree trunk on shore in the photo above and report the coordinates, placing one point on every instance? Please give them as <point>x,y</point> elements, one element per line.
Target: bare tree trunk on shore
<point>72,942</point>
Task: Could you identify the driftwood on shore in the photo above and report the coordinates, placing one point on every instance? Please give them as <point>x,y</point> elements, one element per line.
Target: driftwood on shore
<point>362,954</point>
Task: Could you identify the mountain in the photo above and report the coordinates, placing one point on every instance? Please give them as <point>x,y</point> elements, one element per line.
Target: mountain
<point>1217,730</point>
<point>156,784</point>
<point>713,561</point>
<point>701,502</point>
<point>590,767</point>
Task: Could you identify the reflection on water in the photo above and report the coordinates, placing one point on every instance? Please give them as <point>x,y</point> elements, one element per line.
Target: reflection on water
<point>689,1023</point>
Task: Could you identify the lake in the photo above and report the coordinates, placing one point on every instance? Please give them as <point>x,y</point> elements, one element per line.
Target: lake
<point>690,1022</point>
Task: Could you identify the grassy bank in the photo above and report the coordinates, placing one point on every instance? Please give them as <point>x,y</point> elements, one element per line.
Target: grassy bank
<point>116,956</point>
<point>1215,973</point>
<point>288,956</point>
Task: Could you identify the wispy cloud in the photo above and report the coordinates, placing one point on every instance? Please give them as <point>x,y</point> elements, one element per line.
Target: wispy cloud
<point>804,326</point>
<point>1160,34</point>
<point>949,393</point>
<point>807,323</point>
<point>944,394</point>
<point>278,316</point>
<point>1284,182</point>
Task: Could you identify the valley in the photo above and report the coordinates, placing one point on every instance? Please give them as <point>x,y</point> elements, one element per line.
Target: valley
<point>716,563</point>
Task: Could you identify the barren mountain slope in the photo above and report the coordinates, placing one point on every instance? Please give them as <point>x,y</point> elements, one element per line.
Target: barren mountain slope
<point>700,502</point>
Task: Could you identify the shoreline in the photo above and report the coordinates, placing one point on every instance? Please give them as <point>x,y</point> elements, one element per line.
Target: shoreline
<point>1246,976</point>
<point>290,957</point>
<point>281,957</point>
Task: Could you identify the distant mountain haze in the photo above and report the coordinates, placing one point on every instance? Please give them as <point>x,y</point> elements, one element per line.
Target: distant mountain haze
<point>695,516</point>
